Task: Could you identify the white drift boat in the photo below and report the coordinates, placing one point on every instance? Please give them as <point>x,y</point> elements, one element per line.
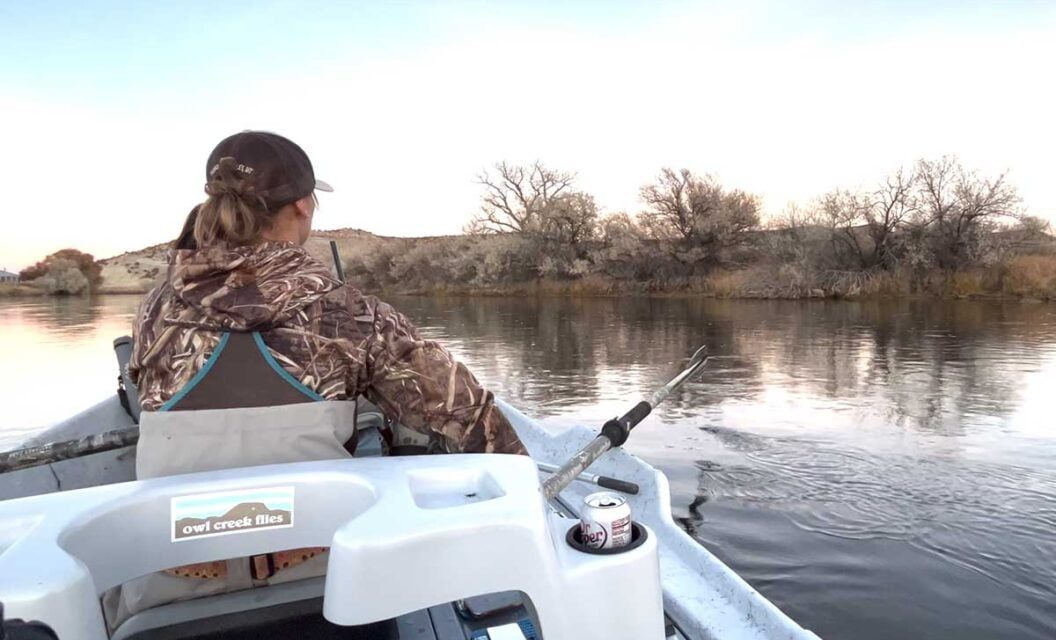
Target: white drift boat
<point>440,547</point>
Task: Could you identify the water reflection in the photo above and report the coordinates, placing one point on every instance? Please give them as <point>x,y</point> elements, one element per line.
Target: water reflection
<point>874,468</point>
<point>56,358</point>
<point>880,469</point>
<point>915,365</point>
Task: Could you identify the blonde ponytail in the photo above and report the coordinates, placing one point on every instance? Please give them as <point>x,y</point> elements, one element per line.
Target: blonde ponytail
<point>232,214</point>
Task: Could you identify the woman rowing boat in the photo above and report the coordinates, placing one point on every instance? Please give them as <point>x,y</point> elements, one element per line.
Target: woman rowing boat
<point>251,353</point>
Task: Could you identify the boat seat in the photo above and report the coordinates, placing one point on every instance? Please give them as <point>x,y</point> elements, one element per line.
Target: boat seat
<point>294,610</point>
<point>204,611</point>
<point>289,610</point>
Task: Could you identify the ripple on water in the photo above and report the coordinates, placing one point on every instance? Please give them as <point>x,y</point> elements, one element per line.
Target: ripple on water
<point>996,520</point>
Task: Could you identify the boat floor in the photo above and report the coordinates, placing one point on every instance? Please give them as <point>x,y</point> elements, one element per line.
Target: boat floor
<point>293,620</point>
<point>305,620</point>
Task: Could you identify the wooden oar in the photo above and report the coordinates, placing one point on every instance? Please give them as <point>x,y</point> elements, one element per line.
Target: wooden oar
<point>614,433</point>
<point>56,451</point>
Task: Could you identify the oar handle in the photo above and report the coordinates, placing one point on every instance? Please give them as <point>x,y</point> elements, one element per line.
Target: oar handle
<point>613,434</point>
<point>618,429</point>
<point>618,485</point>
<point>602,481</point>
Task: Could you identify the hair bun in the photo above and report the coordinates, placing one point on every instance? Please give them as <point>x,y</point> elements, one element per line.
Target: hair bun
<point>228,179</point>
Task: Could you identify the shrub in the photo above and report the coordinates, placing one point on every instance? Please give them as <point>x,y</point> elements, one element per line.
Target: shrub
<point>63,277</point>
<point>65,259</point>
<point>1030,276</point>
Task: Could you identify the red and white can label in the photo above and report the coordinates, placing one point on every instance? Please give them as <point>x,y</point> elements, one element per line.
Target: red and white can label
<point>605,522</point>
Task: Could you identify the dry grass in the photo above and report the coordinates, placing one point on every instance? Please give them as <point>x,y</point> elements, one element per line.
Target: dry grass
<point>968,283</point>
<point>728,284</point>
<point>888,284</point>
<point>9,290</point>
<point>1030,277</point>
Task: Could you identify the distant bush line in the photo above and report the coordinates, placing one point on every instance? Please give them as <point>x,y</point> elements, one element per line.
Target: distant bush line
<point>934,229</point>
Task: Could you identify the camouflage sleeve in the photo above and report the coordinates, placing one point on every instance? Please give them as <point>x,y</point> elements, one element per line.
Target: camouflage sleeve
<point>143,331</point>
<point>419,383</point>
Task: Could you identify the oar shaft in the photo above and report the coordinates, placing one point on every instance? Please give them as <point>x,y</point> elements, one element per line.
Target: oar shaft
<point>56,451</point>
<point>697,363</point>
<point>615,432</point>
<point>571,469</point>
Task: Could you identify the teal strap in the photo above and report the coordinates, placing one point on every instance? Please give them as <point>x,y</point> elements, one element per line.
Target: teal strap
<point>284,374</point>
<point>198,376</point>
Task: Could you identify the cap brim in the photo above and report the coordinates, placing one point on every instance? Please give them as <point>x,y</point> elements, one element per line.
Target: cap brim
<point>323,186</point>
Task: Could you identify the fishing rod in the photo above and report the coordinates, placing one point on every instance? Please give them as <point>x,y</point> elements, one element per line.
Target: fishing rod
<point>614,433</point>
<point>337,261</point>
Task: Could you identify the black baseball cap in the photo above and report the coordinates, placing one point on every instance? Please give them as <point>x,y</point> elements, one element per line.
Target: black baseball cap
<point>275,168</point>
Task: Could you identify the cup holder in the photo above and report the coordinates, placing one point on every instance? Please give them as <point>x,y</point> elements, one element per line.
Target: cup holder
<point>638,536</point>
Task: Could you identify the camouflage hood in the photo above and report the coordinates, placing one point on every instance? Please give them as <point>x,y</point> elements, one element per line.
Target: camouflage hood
<point>248,288</point>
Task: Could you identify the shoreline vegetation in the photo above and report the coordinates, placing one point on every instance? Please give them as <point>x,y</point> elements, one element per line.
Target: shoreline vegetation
<point>1028,277</point>
<point>936,229</point>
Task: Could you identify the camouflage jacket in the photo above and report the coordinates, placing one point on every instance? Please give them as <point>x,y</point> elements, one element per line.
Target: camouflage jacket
<point>329,336</point>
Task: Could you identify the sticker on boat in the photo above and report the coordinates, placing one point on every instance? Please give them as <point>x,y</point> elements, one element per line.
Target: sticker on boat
<point>226,512</point>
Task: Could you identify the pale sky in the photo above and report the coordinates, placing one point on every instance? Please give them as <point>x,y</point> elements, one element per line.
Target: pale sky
<point>108,111</point>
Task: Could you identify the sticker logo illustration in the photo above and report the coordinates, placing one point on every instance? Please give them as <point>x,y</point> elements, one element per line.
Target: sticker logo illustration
<point>226,512</point>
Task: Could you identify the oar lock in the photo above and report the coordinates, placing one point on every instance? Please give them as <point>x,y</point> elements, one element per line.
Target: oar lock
<point>616,432</point>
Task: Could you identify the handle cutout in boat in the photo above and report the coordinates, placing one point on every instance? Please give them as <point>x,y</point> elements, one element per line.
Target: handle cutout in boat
<point>447,487</point>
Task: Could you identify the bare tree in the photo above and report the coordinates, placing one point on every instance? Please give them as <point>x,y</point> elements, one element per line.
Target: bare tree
<point>892,205</point>
<point>1032,227</point>
<point>796,236</point>
<point>622,251</point>
<point>959,207</point>
<point>697,211</point>
<point>671,207</point>
<point>864,227</point>
<point>844,212</point>
<point>515,195</point>
<point>569,219</point>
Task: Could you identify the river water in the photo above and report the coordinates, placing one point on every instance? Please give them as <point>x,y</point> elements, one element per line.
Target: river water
<point>877,469</point>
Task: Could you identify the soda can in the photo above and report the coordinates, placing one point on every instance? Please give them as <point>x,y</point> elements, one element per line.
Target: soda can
<point>605,522</point>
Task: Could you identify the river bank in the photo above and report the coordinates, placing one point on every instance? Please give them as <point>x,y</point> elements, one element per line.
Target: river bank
<point>20,291</point>
<point>495,266</point>
<point>720,286</point>
<point>1022,279</point>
